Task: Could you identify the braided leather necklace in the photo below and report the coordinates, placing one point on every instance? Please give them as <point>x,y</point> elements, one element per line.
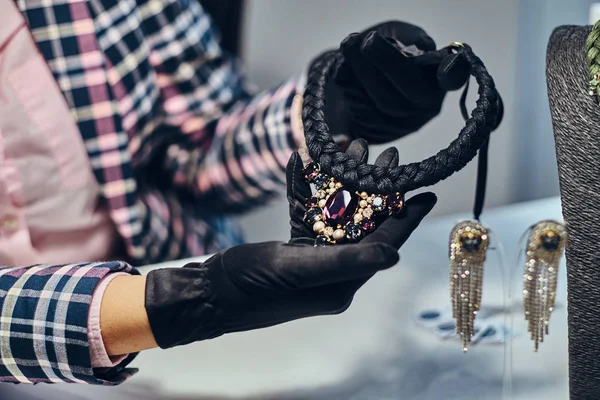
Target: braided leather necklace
<point>353,197</point>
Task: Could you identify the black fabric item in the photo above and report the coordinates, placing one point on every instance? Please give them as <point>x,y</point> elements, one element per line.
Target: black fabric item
<point>379,94</point>
<point>254,286</point>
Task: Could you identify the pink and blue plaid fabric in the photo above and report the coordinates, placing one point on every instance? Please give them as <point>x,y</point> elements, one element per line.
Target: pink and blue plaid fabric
<point>43,324</point>
<point>176,137</point>
<point>177,141</point>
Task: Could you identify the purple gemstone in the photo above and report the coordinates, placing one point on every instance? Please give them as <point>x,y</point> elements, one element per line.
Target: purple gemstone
<point>311,171</point>
<point>340,207</point>
<point>395,202</point>
<point>367,225</point>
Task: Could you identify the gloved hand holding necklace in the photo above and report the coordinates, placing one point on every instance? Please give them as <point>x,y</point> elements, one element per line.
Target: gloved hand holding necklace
<point>253,286</point>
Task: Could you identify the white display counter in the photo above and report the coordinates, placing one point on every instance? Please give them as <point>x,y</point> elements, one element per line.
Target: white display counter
<point>373,351</point>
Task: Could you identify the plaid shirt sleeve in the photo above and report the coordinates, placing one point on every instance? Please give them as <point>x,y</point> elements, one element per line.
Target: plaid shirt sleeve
<point>43,324</point>
<point>238,140</point>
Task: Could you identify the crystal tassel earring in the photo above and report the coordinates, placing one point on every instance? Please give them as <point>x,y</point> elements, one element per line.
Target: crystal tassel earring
<point>469,242</point>
<point>547,240</point>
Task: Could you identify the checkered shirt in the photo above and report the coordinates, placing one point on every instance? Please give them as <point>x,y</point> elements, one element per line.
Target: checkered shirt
<point>176,137</point>
<point>177,140</point>
<point>43,324</point>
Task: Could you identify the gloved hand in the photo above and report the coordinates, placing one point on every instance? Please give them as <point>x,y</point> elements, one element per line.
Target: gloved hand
<point>253,286</point>
<point>392,82</point>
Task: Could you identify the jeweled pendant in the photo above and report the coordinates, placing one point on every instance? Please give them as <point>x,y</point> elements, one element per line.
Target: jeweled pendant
<point>337,214</point>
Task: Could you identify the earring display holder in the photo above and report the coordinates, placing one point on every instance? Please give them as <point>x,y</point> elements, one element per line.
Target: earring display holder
<point>576,123</point>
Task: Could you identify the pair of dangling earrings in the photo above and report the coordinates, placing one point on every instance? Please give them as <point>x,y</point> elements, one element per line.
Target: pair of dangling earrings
<point>469,243</point>
<point>468,246</point>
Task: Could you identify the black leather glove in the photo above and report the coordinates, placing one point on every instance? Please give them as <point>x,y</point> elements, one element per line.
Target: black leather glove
<point>392,82</point>
<point>253,286</point>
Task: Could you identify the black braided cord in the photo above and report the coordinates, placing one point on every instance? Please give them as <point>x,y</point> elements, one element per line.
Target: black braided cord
<point>404,178</point>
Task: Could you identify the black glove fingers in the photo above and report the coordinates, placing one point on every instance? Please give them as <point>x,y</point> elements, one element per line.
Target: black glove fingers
<point>396,230</point>
<point>298,190</point>
<point>385,95</point>
<point>377,128</point>
<point>358,150</point>
<point>405,32</point>
<point>388,158</point>
<point>417,83</point>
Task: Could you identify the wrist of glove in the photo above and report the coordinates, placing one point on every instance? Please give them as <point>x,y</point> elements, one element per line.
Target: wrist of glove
<point>391,82</point>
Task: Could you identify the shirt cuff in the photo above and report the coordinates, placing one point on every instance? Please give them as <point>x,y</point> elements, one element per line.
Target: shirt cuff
<point>98,353</point>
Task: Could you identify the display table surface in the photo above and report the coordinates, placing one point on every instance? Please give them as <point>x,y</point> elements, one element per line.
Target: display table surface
<point>374,350</point>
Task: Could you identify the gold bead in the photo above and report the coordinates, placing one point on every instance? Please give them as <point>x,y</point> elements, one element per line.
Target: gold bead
<point>364,195</point>
<point>338,234</point>
<point>332,185</point>
<point>319,226</point>
<point>322,203</point>
<point>321,194</point>
<point>358,217</point>
<point>363,203</point>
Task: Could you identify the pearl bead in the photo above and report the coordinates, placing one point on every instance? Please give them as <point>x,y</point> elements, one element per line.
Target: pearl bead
<point>338,185</point>
<point>328,231</point>
<point>364,195</point>
<point>322,203</point>
<point>358,217</point>
<point>338,234</point>
<point>319,226</point>
<point>363,203</point>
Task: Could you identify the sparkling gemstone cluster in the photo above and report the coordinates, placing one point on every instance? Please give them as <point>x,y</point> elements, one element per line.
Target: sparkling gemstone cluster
<point>337,214</point>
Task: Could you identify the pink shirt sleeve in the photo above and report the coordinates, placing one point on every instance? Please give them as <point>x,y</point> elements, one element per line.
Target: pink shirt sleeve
<point>99,356</point>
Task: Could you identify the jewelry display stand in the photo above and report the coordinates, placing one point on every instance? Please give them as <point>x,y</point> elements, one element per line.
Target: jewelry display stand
<point>576,122</point>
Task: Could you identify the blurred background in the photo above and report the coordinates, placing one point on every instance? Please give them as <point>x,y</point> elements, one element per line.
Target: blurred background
<point>280,37</point>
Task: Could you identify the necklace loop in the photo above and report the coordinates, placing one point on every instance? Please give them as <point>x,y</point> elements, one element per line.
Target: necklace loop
<point>364,177</point>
